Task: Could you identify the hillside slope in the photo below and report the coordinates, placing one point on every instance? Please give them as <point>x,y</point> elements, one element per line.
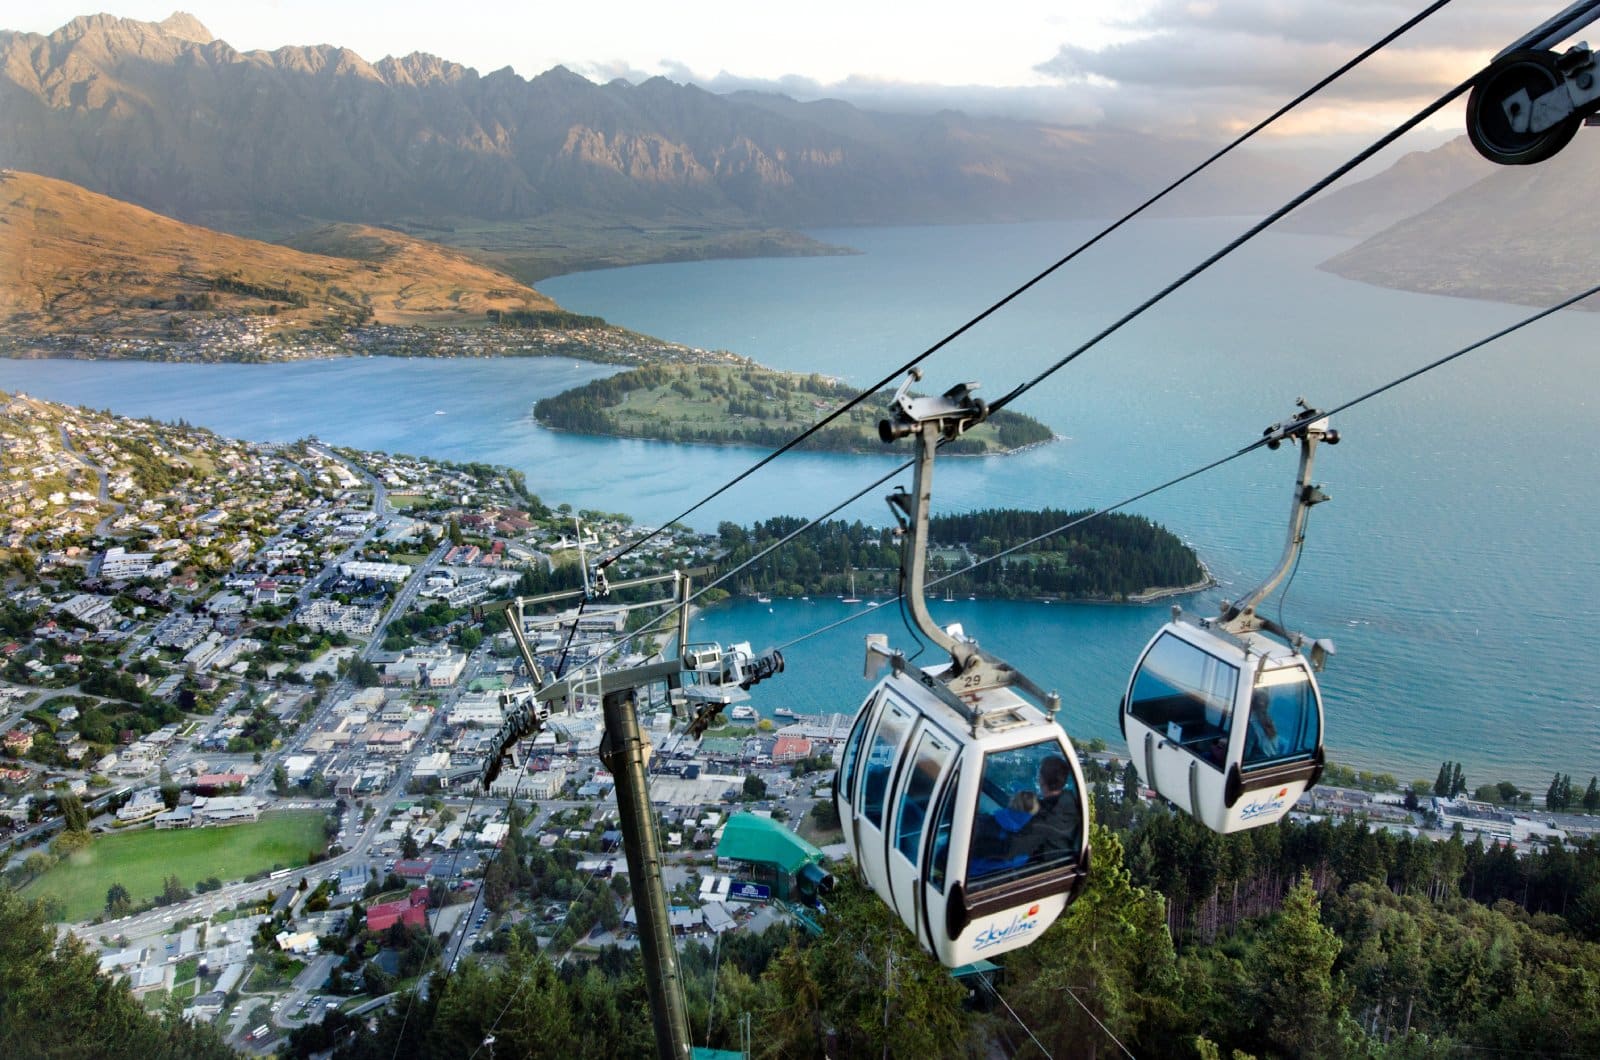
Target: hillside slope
<point>1523,234</point>
<point>79,262</point>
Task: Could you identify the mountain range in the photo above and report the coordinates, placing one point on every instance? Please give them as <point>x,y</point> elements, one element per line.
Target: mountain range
<point>166,116</point>
<point>556,173</point>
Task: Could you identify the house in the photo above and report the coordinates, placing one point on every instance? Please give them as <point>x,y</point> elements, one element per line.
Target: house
<point>411,910</point>
<point>417,869</point>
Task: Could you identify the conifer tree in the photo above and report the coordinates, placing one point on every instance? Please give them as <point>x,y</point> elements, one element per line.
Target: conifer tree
<point>1295,978</point>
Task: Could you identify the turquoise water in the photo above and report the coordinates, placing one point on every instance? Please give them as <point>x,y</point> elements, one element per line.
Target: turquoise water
<point>1452,567</point>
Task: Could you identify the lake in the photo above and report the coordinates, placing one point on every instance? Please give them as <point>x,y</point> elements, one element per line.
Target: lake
<point>1458,549</point>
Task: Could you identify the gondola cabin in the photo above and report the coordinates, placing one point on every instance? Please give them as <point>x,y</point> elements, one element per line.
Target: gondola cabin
<point>968,823</point>
<point>1227,727</point>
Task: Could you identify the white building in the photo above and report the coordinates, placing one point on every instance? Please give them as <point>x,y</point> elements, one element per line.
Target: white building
<point>477,708</point>
<point>230,809</point>
<point>428,671</point>
<point>118,563</point>
<point>91,610</point>
<point>145,804</point>
<point>383,572</point>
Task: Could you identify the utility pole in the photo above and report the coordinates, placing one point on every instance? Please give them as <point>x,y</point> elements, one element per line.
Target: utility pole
<point>623,752</point>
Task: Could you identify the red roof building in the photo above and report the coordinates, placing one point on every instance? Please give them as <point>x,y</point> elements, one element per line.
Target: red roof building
<point>791,749</point>
<point>411,910</point>
<point>413,870</point>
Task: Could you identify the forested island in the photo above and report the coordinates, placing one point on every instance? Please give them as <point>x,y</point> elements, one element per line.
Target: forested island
<point>747,404</point>
<point>1112,557</point>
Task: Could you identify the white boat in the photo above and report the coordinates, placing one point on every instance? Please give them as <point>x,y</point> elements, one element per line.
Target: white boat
<point>852,598</point>
<point>744,712</point>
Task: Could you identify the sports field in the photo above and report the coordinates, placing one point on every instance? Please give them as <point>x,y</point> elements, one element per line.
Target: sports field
<point>141,860</point>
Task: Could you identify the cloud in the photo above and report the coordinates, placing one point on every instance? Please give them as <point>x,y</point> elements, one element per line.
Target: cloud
<point>1205,68</point>
<point>1349,22</point>
<point>1242,64</point>
<point>1050,102</point>
<point>1220,64</point>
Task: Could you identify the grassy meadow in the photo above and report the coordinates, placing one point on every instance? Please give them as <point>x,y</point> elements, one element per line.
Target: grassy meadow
<point>141,860</point>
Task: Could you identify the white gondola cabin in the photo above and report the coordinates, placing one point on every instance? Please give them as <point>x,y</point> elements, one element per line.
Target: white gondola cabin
<point>1227,728</point>
<point>962,802</point>
<point>1223,720</point>
<point>972,828</point>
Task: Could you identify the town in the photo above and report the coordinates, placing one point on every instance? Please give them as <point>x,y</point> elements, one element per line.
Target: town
<point>247,693</point>
<point>241,338</point>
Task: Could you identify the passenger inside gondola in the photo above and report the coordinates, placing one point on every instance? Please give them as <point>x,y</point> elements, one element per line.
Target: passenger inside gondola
<point>1054,830</point>
<point>1283,719</point>
<point>1007,834</point>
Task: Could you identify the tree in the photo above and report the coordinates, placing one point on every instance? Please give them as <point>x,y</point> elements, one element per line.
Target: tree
<point>365,674</point>
<point>1111,950</point>
<point>53,1002</point>
<point>1130,784</point>
<point>408,846</point>
<point>118,900</point>
<point>1450,781</point>
<point>1591,797</point>
<point>173,891</point>
<point>72,811</point>
<point>754,787</point>
<point>1294,976</point>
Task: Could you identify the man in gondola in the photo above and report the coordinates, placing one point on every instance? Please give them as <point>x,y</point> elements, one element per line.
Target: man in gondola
<point>1054,830</point>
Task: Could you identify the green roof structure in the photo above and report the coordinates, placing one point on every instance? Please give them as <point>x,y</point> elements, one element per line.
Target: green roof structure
<point>750,837</point>
<point>722,745</point>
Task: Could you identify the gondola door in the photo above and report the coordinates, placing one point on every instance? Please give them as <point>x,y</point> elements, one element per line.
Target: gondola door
<point>925,773</point>
<point>881,760</point>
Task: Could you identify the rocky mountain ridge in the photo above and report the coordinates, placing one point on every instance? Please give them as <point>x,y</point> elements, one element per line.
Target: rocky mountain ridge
<point>166,116</point>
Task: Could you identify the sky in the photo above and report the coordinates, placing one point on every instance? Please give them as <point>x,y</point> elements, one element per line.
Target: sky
<point>1177,66</point>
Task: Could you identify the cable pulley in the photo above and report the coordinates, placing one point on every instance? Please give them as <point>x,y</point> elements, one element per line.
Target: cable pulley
<point>1529,102</point>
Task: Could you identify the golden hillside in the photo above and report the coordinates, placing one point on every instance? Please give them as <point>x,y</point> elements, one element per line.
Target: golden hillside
<point>72,261</point>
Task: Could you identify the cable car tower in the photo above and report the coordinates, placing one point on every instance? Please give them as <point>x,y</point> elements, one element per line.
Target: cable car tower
<point>703,678</point>
<point>1223,720</point>
<point>962,802</point>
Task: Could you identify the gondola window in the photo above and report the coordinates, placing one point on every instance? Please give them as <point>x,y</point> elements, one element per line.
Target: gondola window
<point>892,729</point>
<point>1186,694</point>
<point>1283,718</point>
<point>927,767</point>
<point>1022,822</point>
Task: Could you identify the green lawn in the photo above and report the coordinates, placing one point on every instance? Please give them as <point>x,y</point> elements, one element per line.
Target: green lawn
<point>141,860</point>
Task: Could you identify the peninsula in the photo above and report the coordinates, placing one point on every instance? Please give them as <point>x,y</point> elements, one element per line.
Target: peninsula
<point>746,404</point>
<point>1114,557</point>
